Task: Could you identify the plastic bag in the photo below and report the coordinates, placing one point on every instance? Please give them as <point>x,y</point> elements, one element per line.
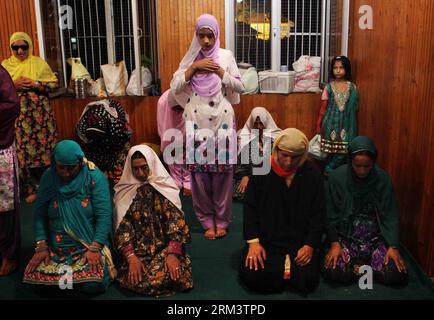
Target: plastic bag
<point>115,78</point>
<point>307,74</point>
<point>315,148</point>
<point>78,70</point>
<point>97,88</point>
<point>132,89</point>
<point>249,78</point>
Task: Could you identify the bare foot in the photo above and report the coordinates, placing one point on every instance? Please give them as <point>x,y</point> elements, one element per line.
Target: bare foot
<point>221,232</point>
<point>209,234</point>
<point>8,266</point>
<point>187,192</point>
<point>30,198</point>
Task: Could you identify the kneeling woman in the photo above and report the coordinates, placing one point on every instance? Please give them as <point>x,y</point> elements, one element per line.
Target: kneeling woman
<point>363,219</point>
<point>72,223</point>
<point>151,229</point>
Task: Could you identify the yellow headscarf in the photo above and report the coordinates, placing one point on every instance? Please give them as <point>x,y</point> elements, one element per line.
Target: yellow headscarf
<point>293,141</point>
<point>33,67</point>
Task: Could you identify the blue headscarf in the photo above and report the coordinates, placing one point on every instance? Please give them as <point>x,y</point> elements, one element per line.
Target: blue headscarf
<point>68,152</point>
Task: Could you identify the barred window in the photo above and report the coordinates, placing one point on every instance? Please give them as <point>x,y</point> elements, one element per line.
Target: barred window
<point>101,32</point>
<point>272,33</point>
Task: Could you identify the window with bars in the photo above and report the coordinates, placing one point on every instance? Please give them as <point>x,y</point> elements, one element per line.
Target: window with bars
<point>294,27</point>
<point>101,33</point>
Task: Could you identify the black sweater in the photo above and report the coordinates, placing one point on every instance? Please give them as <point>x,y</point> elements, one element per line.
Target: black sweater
<point>282,217</point>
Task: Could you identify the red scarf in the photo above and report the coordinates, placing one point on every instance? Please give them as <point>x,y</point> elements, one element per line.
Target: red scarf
<point>279,170</point>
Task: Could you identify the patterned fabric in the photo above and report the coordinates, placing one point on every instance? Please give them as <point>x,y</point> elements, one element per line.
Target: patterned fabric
<point>70,216</point>
<point>339,125</point>
<point>35,134</point>
<point>364,244</point>
<point>105,139</point>
<point>7,178</point>
<point>222,120</point>
<point>153,226</point>
<point>65,252</point>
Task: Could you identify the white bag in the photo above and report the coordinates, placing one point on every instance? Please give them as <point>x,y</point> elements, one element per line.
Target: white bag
<point>115,78</point>
<point>132,89</point>
<point>315,148</point>
<point>307,74</point>
<point>249,78</point>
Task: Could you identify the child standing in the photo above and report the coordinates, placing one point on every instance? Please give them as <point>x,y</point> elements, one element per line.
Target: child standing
<point>337,120</point>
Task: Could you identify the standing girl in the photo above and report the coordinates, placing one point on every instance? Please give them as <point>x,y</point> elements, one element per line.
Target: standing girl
<point>206,85</point>
<point>337,121</point>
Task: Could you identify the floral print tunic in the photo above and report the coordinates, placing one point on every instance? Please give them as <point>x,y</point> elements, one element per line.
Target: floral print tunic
<point>151,223</point>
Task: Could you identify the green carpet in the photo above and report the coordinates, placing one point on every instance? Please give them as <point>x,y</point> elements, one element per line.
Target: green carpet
<point>215,266</point>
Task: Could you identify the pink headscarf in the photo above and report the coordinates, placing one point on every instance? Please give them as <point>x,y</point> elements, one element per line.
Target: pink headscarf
<point>167,118</point>
<point>204,84</point>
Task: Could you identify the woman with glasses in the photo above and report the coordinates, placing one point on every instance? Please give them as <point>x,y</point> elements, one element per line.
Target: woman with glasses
<point>35,126</point>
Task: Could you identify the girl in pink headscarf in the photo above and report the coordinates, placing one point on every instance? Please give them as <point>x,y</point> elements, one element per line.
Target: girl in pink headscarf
<point>206,85</point>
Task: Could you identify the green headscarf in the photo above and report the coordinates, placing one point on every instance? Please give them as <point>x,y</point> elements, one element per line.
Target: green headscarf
<point>345,192</point>
<point>362,189</point>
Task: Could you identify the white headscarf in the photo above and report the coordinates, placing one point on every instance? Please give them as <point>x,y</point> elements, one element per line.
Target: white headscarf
<point>159,178</point>
<point>267,120</point>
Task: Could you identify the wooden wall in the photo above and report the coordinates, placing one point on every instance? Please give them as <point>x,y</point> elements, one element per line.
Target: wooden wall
<point>176,19</point>
<point>142,112</point>
<point>295,110</point>
<point>16,15</point>
<point>393,67</point>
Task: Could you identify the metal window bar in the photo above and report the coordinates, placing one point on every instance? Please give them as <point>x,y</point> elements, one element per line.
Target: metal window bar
<point>91,35</point>
<point>289,32</point>
<point>152,38</point>
<point>257,42</point>
<point>264,53</point>
<point>76,28</point>
<point>250,29</point>
<point>295,31</point>
<point>90,40</point>
<point>84,35</point>
<point>318,23</point>
<point>304,17</point>
<point>313,40</point>
<point>302,27</point>
<point>99,32</point>
<point>310,24</point>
